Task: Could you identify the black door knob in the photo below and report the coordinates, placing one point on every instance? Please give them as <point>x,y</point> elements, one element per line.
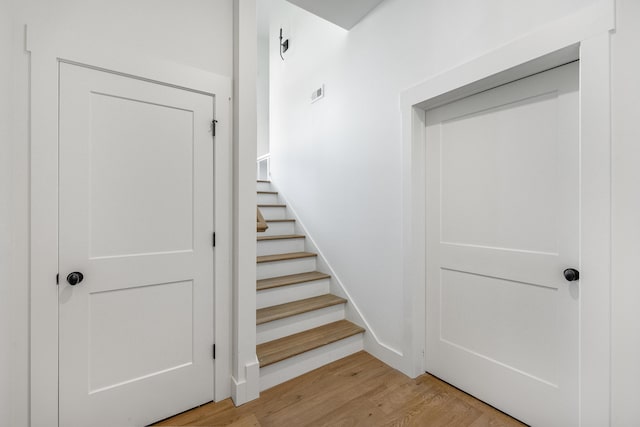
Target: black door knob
<point>571,274</point>
<point>75,278</point>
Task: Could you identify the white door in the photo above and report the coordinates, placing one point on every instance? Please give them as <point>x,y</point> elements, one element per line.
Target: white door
<point>502,226</point>
<point>136,219</point>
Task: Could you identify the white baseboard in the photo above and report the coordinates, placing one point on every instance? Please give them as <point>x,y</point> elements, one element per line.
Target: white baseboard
<point>248,388</point>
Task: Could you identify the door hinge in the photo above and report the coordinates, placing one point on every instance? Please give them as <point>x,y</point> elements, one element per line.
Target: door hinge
<point>213,126</point>
<point>214,240</point>
<point>214,351</point>
<point>58,279</point>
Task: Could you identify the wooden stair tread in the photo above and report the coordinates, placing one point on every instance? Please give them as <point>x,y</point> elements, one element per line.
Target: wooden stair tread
<point>267,192</point>
<point>284,257</point>
<point>273,205</point>
<point>281,237</point>
<point>281,220</point>
<point>292,279</point>
<point>276,312</point>
<point>293,345</point>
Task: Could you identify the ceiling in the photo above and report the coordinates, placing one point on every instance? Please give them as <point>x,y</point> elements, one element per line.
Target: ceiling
<point>344,13</point>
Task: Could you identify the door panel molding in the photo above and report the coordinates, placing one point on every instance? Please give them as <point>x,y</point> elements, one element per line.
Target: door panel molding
<point>45,57</point>
<point>584,36</point>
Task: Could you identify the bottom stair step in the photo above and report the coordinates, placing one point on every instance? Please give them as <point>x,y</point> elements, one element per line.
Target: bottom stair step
<point>293,345</point>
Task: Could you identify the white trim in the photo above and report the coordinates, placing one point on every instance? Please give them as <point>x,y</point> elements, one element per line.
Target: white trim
<point>587,30</point>
<point>224,238</point>
<point>45,57</point>
<point>372,343</point>
<point>595,235</point>
<point>554,37</point>
<point>267,159</point>
<point>263,157</point>
<point>245,45</point>
<point>248,388</point>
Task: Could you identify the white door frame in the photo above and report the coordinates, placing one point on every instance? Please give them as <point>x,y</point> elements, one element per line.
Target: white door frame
<point>46,56</point>
<point>584,36</point>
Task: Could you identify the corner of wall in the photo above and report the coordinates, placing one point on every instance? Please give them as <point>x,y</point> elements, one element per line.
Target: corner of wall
<point>245,378</point>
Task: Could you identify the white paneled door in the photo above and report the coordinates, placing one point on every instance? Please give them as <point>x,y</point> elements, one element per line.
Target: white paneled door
<point>502,235</point>
<point>136,223</point>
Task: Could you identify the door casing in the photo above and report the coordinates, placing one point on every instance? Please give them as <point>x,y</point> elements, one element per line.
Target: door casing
<point>584,36</point>
<point>45,57</point>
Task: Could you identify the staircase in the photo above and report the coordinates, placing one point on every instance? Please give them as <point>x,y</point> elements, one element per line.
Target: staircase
<point>300,324</point>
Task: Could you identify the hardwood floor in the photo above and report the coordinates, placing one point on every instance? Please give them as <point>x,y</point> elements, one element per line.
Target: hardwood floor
<point>358,390</point>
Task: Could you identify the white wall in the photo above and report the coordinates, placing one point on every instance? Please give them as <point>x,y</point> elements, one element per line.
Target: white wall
<point>338,160</point>
<point>197,34</point>
<point>263,16</point>
<point>626,215</point>
<point>5,168</point>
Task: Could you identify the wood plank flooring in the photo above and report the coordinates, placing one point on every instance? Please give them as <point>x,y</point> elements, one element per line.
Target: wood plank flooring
<point>358,390</point>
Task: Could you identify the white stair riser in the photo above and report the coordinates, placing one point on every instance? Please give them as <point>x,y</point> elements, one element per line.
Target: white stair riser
<point>279,228</point>
<point>292,325</point>
<point>285,294</point>
<point>284,246</point>
<point>267,199</point>
<point>285,268</point>
<point>273,213</point>
<point>285,370</point>
<point>263,186</point>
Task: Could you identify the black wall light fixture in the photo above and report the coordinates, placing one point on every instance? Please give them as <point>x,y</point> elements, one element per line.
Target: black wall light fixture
<point>284,45</point>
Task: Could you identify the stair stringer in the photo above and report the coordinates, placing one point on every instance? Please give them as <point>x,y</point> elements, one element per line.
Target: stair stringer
<point>372,343</point>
